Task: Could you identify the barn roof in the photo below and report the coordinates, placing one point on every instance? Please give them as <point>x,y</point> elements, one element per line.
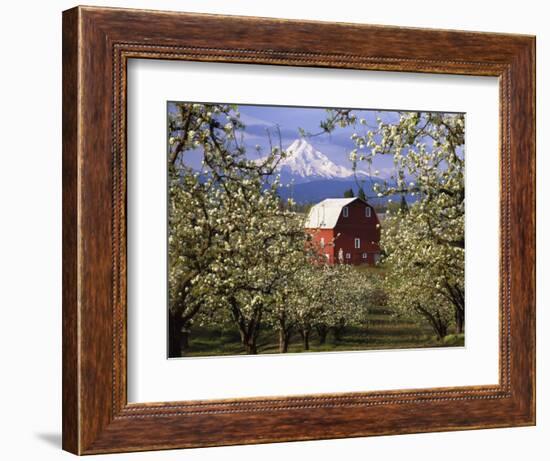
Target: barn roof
<point>325,214</point>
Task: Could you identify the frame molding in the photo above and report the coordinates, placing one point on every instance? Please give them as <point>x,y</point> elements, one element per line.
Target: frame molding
<point>97,43</point>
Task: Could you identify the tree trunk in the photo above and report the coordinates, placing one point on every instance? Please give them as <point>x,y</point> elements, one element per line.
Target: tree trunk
<point>285,332</point>
<point>456,295</point>
<point>304,333</point>
<point>439,325</point>
<point>250,347</point>
<point>248,329</point>
<point>322,331</point>
<point>284,341</point>
<point>249,336</point>
<point>338,332</point>
<point>185,338</point>
<point>441,331</point>
<point>459,320</point>
<point>175,326</point>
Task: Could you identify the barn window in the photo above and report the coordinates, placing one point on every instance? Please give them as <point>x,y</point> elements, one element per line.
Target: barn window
<point>357,243</point>
<point>345,212</point>
<point>367,212</point>
<point>364,255</point>
<point>348,256</point>
<point>322,242</point>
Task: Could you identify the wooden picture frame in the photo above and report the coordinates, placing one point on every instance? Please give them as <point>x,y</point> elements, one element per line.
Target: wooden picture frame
<point>97,43</point>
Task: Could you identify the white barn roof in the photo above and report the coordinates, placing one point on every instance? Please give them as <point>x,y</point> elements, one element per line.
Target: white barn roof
<point>325,214</point>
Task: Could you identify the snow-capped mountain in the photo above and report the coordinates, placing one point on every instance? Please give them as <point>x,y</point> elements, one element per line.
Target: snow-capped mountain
<point>304,164</point>
<point>315,177</point>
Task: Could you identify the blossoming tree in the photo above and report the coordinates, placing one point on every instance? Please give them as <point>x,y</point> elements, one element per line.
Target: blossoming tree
<point>424,243</point>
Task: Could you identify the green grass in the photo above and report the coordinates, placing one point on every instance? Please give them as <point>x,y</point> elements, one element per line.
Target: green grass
<point>383,331</point>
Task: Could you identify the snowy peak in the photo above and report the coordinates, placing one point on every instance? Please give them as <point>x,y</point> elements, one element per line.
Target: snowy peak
<point>304,161</point>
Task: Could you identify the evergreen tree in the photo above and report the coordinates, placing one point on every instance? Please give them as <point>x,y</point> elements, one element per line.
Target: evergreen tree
<point>403,205</point>
<point>349,193</point>
<point>361,194</point>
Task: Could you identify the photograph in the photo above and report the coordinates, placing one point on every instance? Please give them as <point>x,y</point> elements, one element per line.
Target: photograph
<point>313,229</point>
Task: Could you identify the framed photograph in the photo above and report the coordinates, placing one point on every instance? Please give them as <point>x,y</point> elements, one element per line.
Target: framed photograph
<point>282,230</point>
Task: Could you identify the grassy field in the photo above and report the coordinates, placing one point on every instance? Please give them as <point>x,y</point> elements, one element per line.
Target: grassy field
<point>383,331</point>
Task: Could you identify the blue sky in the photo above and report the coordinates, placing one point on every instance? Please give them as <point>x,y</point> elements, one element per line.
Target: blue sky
<point>336,146</point>
<point>258,120</point>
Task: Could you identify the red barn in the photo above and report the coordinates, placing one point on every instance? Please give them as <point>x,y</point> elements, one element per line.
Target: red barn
<point>346,230</point>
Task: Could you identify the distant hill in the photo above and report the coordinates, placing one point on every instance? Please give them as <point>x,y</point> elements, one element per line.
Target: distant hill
<point>315,191</point>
